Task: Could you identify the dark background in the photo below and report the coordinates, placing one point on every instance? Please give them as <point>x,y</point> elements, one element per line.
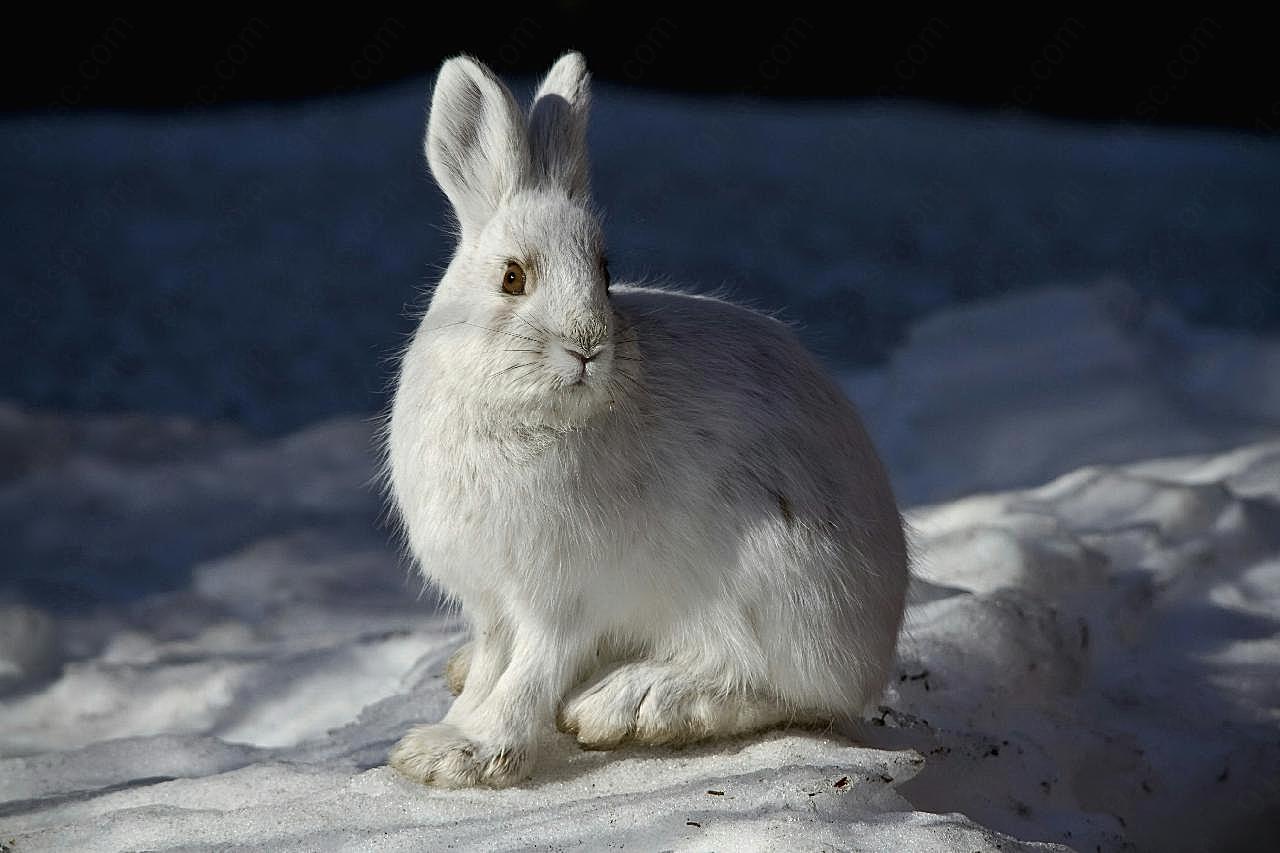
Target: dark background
<point>226,215</point>
<point>1191,66</point>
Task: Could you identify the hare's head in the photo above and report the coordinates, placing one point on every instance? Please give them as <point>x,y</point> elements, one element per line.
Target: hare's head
<point>528,283</point>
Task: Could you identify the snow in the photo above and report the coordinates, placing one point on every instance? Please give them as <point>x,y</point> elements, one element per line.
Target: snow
<point>777,790</point>
<point>1043,381</point>
<point>208,638</point>
<point>1093,662</point>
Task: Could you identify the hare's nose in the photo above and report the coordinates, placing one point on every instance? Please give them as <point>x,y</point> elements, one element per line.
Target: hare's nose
<point>583,357</point>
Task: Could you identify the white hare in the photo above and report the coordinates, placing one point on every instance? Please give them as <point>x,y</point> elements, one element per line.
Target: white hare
<point>661,519</point>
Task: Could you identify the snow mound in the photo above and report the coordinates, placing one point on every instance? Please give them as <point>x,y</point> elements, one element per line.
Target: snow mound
<point>799,791</point>
<point>1101,655</point>
<point>1045,381</point>
<point>1092,663</point>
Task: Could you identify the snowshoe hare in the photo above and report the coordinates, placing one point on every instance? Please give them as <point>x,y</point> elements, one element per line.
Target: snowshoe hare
<point>662,521</point>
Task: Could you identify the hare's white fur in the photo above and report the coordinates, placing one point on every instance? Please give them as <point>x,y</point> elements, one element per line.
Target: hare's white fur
<point>687,535</point>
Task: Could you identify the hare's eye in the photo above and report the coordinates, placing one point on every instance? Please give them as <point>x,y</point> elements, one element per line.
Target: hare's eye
<point>513,279</point>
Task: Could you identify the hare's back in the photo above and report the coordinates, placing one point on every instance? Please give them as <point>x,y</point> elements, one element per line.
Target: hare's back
<point>704,352</point>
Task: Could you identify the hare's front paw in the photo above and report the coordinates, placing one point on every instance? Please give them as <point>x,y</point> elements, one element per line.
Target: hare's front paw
<point>442,755</point>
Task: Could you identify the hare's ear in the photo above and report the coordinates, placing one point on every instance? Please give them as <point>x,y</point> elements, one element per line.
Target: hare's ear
<point>476,141</point>
<point>558,125</point>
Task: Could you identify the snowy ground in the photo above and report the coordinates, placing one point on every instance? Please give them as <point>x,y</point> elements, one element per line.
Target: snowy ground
<point>206,638</point>
<point>1094,662</point>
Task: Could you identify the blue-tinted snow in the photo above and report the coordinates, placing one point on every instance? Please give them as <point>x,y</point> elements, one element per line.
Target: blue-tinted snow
<point>256,264</point>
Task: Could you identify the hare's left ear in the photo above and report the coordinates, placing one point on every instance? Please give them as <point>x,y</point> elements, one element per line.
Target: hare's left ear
<point>558,126</point>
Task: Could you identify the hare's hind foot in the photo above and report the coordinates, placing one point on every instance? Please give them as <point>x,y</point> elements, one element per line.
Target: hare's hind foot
<point>655,703</point>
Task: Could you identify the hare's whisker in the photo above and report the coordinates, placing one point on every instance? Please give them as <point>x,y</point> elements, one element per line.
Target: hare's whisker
<point>630,378</point>
<point>501,332</point>
<point>532,325</point>
<point>512,367</point>
<point>533,368</point>
<point>443,326</point>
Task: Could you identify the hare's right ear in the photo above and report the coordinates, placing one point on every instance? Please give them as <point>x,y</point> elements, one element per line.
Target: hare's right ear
<point>476,142</point>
